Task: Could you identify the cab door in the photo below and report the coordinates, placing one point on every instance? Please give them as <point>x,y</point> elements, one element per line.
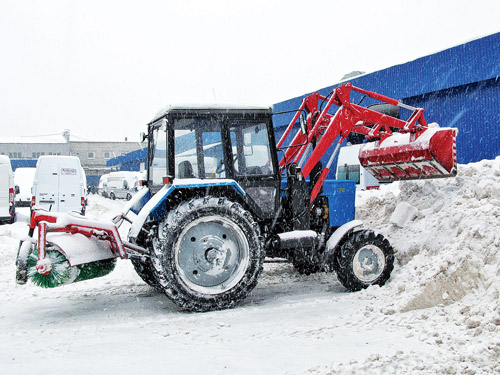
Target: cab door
<point>254,165</point>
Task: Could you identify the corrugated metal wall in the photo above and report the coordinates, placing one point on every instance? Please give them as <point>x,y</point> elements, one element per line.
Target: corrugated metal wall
<point>457,87</point>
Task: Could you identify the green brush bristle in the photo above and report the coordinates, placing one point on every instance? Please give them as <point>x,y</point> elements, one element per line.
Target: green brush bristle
<point>62,272</point>
<point>95,269</point>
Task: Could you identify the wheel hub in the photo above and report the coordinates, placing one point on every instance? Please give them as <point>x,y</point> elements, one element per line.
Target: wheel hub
<point>368,263</point>
<point>211,254</point>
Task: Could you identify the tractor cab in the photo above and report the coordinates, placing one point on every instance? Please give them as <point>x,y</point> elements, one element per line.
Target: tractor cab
<point>199,145</point>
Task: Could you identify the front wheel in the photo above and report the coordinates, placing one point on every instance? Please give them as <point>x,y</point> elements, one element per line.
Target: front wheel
<point>364,259</point>
<point>208,255</point>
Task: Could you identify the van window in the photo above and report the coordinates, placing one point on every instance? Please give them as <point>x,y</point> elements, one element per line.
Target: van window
<point>349,172</point>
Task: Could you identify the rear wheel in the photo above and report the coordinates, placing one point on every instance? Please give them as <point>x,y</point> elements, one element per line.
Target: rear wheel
<point>128,197</point>
<point>364,259</point>
<point>144,269</point>
<point>208,255</point>
<point>112,196</point>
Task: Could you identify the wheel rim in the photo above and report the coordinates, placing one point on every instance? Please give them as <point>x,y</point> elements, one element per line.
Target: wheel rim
<point>211,255</point>
<point>368,263</point>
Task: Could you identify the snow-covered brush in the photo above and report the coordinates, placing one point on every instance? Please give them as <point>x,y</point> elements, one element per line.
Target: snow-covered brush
<point>60,272</point>
<point>70,248</point>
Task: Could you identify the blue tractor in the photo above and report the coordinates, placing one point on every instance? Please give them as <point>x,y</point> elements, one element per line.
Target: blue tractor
<point>221,204</point>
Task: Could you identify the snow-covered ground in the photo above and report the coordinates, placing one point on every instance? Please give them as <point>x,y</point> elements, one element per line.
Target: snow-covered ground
<point>439,312</point>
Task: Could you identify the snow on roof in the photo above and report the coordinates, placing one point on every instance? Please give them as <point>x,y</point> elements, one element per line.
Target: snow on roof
<point>34,139</point>
<point>216,106</point>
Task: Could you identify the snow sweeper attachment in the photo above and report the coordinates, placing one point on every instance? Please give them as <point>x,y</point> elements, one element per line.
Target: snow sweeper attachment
<point>70,248</point>
<point>395,150</point>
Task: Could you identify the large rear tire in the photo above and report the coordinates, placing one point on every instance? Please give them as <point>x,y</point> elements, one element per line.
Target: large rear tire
<point>364,259</point>
<point>208,255</point>
<point>145,270</point>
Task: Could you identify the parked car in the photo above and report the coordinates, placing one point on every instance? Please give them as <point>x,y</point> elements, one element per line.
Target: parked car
<point>59,184</point>
<point>7,191</point>
<point>122,185</point>
<point>23,179</point>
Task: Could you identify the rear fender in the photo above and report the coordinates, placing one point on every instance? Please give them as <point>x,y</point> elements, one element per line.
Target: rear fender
<point>155,209</point>
<point>337,236</point>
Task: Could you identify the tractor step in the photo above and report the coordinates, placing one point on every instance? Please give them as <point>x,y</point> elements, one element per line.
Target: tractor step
<point>402,157</point>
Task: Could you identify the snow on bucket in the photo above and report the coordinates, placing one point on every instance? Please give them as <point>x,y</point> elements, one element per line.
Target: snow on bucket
<point>406,156</point>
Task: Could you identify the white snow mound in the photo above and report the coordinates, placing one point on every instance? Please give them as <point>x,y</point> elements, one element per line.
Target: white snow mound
<point>447,237</point>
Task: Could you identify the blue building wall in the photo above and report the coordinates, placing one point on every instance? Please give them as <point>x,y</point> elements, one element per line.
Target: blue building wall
<point>22,163</point>
<point>457,87</point>
<point>129,162</point>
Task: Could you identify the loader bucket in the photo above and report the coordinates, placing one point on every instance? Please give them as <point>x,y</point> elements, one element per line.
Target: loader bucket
<point>399,157</point>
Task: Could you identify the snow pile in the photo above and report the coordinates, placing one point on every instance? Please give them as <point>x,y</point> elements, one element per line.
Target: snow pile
<point>447,237</point>
<point>446,233</point>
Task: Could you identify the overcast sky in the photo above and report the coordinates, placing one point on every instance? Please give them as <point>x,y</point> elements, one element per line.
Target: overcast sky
<point>103,68</point>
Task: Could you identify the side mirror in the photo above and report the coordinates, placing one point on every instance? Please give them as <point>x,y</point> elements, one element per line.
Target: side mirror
<point>303,123</point>
<point>143,136</point>
<point>17,190</point>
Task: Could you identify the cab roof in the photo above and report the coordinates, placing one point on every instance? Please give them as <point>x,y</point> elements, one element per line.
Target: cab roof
<point>203,109</point>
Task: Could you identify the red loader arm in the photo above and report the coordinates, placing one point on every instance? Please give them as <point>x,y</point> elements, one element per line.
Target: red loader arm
<point>415,151</point>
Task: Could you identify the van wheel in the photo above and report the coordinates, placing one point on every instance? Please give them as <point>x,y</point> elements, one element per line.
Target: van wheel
<point>129,197</point>
<point>112,196</point>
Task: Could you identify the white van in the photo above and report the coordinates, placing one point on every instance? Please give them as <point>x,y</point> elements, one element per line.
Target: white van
<point>121,185</point>
<point>23,178</point>
<point>59,184</point>
<point>348,168</point>
<point>7,191</point>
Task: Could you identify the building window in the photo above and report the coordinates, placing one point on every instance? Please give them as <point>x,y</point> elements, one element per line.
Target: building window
<point>15,155</point>
<point>36,155</point>
<point>74,154</point>
<point>91,155</point>
<point>107,155</point>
